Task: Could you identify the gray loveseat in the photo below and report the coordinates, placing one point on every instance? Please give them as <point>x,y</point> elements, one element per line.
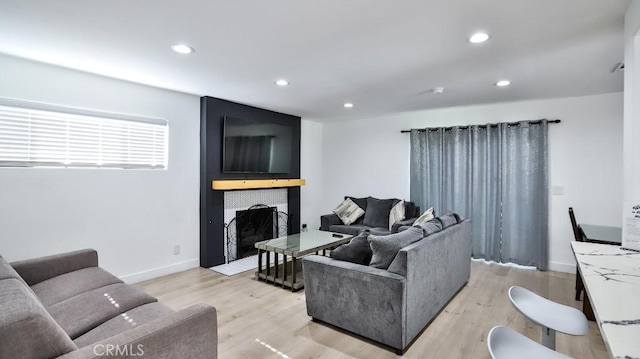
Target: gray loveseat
<point>332,223</point>
<point>65,306</point>
<point>391,306</point>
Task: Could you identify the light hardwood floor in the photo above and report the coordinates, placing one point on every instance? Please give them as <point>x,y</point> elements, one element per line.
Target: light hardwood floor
<point>259,320</point>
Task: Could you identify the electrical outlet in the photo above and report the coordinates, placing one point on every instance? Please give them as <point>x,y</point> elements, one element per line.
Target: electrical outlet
<point>176,249</point>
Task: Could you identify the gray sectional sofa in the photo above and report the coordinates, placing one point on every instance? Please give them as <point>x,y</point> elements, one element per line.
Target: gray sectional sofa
<point>332,223</point>
<point>391,306</point>
<point>65,306</point>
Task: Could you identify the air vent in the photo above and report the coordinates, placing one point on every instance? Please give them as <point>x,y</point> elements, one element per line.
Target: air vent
<point>619,67</point>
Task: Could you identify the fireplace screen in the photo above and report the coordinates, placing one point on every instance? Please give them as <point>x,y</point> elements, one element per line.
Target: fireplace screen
<point>258,223</point>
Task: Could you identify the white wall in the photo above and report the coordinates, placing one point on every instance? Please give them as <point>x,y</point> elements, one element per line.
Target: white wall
<point>632,103</point>
<point>371,157</point>
<point>132,217</point>
<point>311,170</point>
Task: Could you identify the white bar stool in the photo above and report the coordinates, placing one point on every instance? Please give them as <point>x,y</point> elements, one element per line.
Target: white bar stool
<point>551,316</point>
<point>505,343</point>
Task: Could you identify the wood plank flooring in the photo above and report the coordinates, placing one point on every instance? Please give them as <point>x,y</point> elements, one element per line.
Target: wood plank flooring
<point>259,320</point>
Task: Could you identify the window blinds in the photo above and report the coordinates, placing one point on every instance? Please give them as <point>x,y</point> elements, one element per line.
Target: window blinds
<point>42,135</point>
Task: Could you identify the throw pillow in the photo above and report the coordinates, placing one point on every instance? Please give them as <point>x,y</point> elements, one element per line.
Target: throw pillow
<point>447,220</point>
<point>377,214</point>
<point>426,216</point>
<point>410,210</point>
<point>356,251</point>
<point>397,213</point>
<point>385,248</point>
<point>459,218</point>
<point>431,227</point>
<point>348,211</point>
<point>362,203</point>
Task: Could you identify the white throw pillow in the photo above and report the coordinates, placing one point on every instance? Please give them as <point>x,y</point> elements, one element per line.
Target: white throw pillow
<point>348,211</point>
<point>426,216</point>
<point>396,214</point>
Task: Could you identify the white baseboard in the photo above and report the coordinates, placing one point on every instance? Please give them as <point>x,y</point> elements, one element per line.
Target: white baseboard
<point>160,271</point>
<point>562,267</point>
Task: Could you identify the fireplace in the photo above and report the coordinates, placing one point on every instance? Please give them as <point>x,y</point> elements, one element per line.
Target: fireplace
<point>255,224</point>
<point>253,206</point>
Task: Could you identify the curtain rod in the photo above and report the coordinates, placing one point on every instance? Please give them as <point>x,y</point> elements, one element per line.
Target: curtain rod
<point>537,122</point>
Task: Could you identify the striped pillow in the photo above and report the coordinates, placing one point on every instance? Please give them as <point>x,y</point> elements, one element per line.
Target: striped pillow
<point>397,214</point>
<point>426,216</point>
<point>348,211</point>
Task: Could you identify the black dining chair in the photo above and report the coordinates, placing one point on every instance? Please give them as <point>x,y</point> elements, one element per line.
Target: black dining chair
<point>579,235</point>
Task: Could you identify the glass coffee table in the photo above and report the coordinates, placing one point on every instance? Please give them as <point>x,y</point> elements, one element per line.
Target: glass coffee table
<point>289,273</point>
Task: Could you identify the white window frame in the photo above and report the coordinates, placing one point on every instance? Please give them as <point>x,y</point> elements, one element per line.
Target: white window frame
<point>43,135</point>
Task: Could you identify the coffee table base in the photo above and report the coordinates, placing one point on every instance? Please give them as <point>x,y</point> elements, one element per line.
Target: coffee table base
<point>279,279</point>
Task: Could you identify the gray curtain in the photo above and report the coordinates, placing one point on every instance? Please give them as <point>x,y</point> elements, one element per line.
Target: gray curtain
<point>495,175</point>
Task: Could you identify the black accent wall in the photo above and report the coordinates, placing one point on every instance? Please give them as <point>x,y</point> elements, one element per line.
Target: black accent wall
<point>212,112</point>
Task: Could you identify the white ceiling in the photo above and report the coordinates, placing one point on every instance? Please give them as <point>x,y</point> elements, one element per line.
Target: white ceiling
<point>382,55</point>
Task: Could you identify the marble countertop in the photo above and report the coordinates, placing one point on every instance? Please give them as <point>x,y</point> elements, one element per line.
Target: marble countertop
<point>612,279</point>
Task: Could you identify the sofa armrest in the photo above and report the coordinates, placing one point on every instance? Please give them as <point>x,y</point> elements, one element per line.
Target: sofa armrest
<point>188,333</point>
<point>36,270</point>
<point>365,300</point>
<point>436,268</point>
<point>404,223</point>
<point>329,220</point>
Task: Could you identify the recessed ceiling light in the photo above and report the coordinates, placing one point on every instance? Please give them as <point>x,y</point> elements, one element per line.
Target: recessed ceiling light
<point>348,105</point>
<point>182,49</point>
<point>503,83</point>
<point>282,82</point>
<point>478,38</point>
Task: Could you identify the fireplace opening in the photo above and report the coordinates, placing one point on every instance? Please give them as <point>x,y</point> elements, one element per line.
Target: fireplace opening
<point>258,223</point>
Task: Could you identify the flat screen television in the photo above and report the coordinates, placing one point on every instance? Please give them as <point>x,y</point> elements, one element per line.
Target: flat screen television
<point>252,146</point>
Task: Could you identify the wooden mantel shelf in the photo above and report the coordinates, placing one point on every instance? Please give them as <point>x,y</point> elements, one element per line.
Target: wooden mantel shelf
<point>223,185</point>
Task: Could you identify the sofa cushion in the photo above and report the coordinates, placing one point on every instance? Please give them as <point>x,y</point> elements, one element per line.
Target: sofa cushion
<point>352,229</point>
<point>85,311</point>
<point>62,287</point>
<point>426,216</point>
<point>447,220</point>
<point>7,271</point>
<point>26,328</point>
<point>385,248</point>
<point>356,251</point>
<point>377,213</point>
<point>379,231</point>
<point>36,270</point>
<point>348,211</point>
<point>396,214</point>
<point>431,227</point>
<point>123,322</point>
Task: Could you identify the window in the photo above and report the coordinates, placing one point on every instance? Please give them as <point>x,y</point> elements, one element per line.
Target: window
<point>33,134</point>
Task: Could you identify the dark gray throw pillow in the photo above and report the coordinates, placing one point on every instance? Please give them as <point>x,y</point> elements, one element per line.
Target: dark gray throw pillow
<point>410,210</point>
<point>447,220</point>
<point>459,218</point>
<point>385,248</point>
<point>377,212</point>
<point>356,251</point>
<point>431,227</point>
<point>362,203</point>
